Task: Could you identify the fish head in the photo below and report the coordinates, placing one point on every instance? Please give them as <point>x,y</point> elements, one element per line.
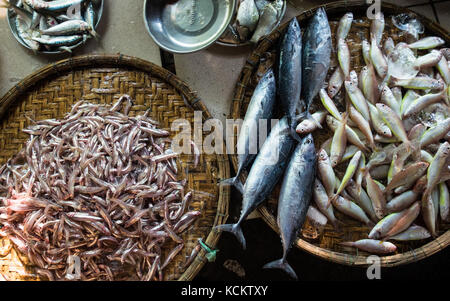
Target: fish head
<point>306,126</point>
<point>293,25</point>
<point>390,247</point>
<point>334,161</point>
<point>349,16</point>
<point>332,90</point>
<point>322,155</point>
<point>445,148</point>
<point>350,86</point>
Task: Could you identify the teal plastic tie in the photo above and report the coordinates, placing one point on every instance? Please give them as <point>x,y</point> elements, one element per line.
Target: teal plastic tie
<point>210,253</point>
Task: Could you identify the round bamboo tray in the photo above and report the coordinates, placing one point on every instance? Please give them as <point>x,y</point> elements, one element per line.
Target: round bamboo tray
<point>326,245</point>
<point>51,91</point>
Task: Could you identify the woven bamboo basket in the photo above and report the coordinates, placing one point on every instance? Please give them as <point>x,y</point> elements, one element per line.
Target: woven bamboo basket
<point>326,244</point>
<point>50,93</point>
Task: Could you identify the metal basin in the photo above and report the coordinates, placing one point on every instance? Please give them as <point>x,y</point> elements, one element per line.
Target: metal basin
<point>98,7</point>
<point>187,26</point>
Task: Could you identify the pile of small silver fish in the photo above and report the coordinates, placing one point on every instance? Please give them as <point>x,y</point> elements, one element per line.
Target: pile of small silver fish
<point>254,20</point>
<point>391,139</point>
<point>95,196</point>
<point>50,26</point>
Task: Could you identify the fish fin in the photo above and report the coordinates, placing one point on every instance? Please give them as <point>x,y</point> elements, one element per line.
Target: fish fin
<point>94,34</point>
<point>281,264</point>
<point>236,230</point>
<point>65,49</point>
<point>308,116</point>
<point>235,182</point>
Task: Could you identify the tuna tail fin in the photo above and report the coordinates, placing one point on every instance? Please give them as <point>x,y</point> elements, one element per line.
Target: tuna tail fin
<point>310,117</point>
<point>291,130</point>
<point>294,134</point>
<point>235,182</point>
<point>236,230</point>
<point>282,264</point>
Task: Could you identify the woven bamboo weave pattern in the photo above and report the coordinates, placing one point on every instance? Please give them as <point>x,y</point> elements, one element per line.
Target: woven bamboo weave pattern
<point>51,92</point>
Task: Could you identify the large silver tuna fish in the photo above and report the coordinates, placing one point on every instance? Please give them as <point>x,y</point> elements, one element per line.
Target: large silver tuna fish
<point>295,198</point>
<point>265,173</point>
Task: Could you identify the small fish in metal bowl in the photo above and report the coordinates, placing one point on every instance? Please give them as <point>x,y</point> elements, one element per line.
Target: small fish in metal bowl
<point>254,19</point>
<point>186,26</point>
<point>53,27</point>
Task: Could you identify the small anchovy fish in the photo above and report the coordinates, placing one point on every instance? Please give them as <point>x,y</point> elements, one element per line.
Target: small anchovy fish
<point>378,123</point>
<point>376,195</point>
<point>429,60</point>
<point>321,201</point>
<point>293,202</point>
<point>351,134</point>
<point>377,27</point>
<point>418,83</point>
<point>345,24</point>
<point>335,83</point>
<point>412,233</point>
<point>350,171</point>
<point>435,168</point>
<point>366,52</point>
<point>427,43</point>
<point>351,209</point>
<point>362,199</point>
<point>326,172</point>
<point>423,102</point>
<point>372,246</point>
<point>369,84</point>
<point>395,223</point>
<point>358,100</point>
<point>344,57</point>
<point>408,175</point>
<point>339,143</point>
<point>329,105</point>
<point>307,126</point>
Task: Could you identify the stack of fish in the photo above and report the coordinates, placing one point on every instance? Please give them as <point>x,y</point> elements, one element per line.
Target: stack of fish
<point>254,19</point>
<point>284,155</point>
<point>54,25</point>
<point>397,116</point>
<point>387,160</point>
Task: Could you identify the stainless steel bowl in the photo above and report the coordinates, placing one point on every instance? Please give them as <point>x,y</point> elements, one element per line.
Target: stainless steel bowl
<point>98,6</point>
<point>187,26</point>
